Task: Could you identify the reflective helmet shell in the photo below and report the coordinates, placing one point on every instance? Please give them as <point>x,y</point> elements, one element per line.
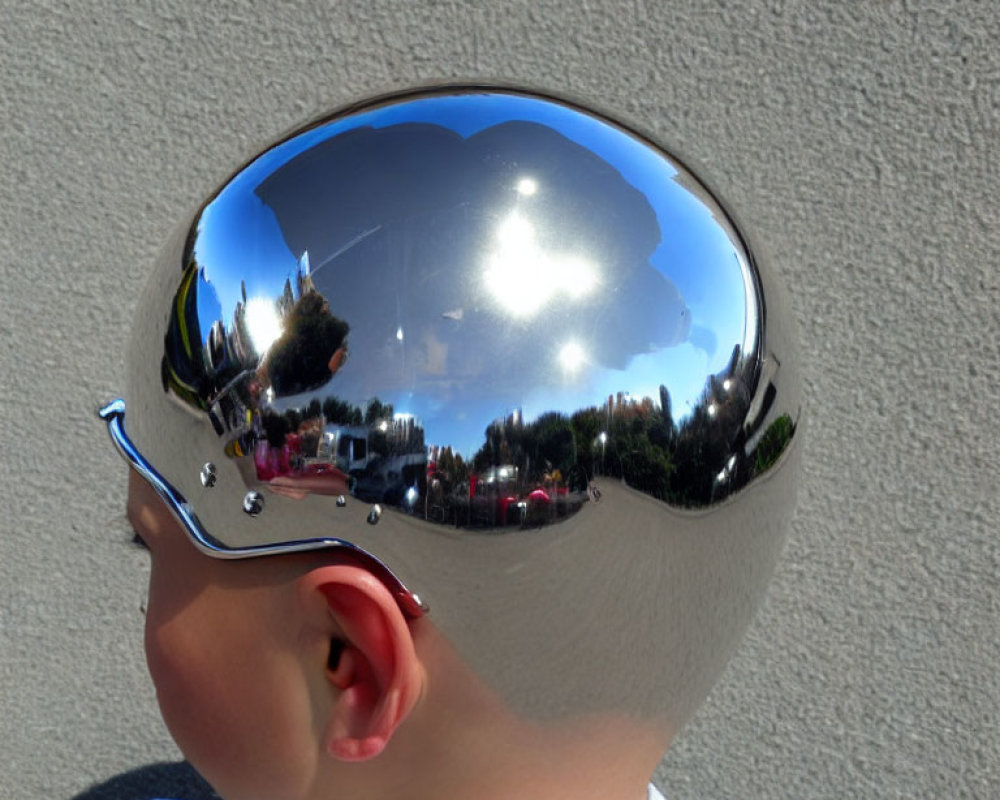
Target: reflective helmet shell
<point>509,349</point>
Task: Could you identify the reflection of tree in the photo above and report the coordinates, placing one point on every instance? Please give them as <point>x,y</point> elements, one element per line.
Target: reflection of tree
<point>303,357</point>
<point>695,463</point>
<point>451,467</point>
<point>542,446</point>
<point>773,443</point>
<point>376,411</point>
<point>338,412</point>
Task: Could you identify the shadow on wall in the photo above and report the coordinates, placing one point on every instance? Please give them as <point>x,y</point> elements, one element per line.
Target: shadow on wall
<point>178,780</point>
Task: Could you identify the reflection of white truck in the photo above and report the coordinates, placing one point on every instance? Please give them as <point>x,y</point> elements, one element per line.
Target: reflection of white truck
<point>346,446</point>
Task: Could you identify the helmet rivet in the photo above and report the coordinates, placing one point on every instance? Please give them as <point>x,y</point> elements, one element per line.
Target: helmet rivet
<point>341,501</point>
<point>208,475</point>
<point>253,503</point>
<point>374,514</point>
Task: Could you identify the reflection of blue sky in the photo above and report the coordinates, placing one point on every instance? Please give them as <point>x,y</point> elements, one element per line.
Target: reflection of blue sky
<point>244,236</point>
<point>241,234</point>
<point>692,243</point>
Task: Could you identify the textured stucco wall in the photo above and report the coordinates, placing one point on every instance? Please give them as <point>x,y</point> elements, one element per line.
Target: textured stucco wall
<point>857,140</point>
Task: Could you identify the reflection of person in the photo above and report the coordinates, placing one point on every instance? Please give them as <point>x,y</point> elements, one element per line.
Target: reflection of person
<point>311,350</point>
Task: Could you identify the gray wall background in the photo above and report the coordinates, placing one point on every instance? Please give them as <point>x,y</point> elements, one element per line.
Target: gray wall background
<point>858,140</point>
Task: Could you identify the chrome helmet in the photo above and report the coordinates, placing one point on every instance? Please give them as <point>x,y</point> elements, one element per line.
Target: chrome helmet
<point>510,352</point>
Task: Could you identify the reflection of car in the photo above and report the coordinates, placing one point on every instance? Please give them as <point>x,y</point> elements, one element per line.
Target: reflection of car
<point>377,487</point>
<point>395,481</point>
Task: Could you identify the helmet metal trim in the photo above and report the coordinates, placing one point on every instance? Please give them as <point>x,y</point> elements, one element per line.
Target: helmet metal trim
<point>114,415</point>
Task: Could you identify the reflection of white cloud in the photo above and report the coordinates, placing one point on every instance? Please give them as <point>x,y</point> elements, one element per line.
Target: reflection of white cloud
<point>571,357</point>
<point>435,355</point>
<point>263,323</point>
<point>523,277</point>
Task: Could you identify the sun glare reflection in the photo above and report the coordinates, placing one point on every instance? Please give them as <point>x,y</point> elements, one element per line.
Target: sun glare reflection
<point>523,277</point>
<point>527,186</point>
<point>263,323</point>
<point>572,356</point>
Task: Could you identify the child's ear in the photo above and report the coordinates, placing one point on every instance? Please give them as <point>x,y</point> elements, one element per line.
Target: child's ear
<point>371,663</point>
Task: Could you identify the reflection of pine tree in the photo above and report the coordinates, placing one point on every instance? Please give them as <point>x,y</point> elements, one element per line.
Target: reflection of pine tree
<point>376,411</point>
<point>452,467</point>
<point>638,440</point>
<point>708,455</point>
<point>339,412</point>
<point>552,442</point>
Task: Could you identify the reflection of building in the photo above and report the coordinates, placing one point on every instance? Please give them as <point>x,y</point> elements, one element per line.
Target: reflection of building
<point>515,419</point>
<point>624,405</point>
<point>345,446</point>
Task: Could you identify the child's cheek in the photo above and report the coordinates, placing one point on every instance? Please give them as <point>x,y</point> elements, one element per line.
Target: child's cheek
<point>175,668</point>
<point>218,703</point>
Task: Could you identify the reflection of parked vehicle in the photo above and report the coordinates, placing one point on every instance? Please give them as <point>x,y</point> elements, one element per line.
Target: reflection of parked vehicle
<point>346,446</point>
<point>395,481</point>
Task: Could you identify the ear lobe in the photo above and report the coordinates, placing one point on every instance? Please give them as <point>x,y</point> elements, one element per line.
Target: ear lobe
<point>376,676</point>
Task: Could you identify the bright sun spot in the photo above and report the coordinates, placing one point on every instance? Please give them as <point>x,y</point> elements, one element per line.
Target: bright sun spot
<point>572,357</point>
<point>527,186</point>
<point>263,323</point>
<point>523,277</point>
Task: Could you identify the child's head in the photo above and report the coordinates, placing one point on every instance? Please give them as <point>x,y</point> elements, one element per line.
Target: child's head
<point>460,426</point>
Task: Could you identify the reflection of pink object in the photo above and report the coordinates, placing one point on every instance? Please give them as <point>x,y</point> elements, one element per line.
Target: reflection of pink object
<point>284,465</point>
<point>271,462</point>
<point>539,496</point>
<point>262,461</point>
